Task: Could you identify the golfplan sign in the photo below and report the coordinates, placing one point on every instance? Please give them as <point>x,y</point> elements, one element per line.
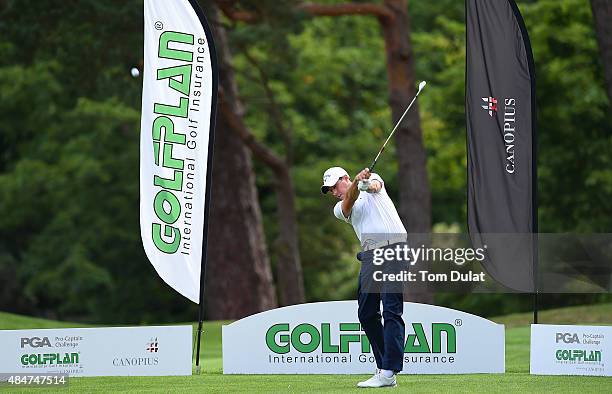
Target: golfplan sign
<point>179,89</point>
<point>326,338</point>
<point>571,350</point>
<point>108,351</point>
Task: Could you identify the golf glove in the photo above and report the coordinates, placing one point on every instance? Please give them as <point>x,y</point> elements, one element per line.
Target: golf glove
<point>364,185</point>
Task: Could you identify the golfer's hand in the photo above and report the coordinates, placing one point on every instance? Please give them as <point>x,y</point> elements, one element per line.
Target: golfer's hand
<point>364,185</point>
<point>363,174</point>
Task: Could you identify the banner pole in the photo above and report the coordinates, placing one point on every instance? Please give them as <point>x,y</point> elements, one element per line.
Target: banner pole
<point>534,156</point>
<point>209,169</point>
<point>535,307</point>
<point>199,335</point>
<point>201,303</point>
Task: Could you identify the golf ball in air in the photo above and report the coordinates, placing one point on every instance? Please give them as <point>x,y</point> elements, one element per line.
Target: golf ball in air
<point>135,72</point>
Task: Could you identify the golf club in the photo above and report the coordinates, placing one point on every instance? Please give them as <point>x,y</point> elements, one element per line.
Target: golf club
<point>421,86</point>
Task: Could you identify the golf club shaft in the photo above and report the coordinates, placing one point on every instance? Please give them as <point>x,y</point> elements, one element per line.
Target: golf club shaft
<point>393,131</point>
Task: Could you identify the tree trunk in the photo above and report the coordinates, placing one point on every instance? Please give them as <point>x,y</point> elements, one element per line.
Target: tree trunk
<point>415,195</point>
<point>602,15</point>
<point>289,267</point>
<point>238,279</point>
<point>290,279</point>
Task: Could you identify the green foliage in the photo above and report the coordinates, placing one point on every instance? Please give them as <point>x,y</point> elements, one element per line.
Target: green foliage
<point>574,125</point>
<point>441,61</point>
<point>335,106</point>
<point>69,238</point>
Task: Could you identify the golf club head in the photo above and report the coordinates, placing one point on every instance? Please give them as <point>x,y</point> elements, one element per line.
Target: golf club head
<point>422,85</point>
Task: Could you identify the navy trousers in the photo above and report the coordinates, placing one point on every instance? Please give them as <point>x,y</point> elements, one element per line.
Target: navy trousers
<point>387,341</point>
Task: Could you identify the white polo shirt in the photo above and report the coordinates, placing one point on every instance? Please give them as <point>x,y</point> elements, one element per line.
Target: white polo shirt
<point>372,213</point>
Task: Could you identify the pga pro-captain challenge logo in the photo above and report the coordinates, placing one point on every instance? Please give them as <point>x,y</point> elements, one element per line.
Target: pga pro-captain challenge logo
<point>175,132</point>
<point>324,338</point>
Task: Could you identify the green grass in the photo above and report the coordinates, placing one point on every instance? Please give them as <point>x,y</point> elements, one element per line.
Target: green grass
<point>600,314</point>
<point>212,380</point>
<point>10,321</point>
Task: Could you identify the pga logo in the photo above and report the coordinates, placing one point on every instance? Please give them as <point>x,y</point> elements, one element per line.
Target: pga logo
<point>35,342</point>
<point>567,337</point>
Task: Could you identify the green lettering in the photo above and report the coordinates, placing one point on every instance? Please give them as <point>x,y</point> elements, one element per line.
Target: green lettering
<point>327,347</point>
<point>346,339</point>
<point>296,340</point>
<point>181,110</point>
<point>271,338</point>
<point>165,123</point>
<point>183,71</point>
<point>169,231</point>
<point>451,337</point>
<point>176,54</point>
<point>423,346</point>
<point>175,183</point>
<point>170,162</point>
<point>156,152</point>
<point>175,206</point>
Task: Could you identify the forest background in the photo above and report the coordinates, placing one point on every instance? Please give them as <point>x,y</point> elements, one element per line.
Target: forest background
<point>304,86</point>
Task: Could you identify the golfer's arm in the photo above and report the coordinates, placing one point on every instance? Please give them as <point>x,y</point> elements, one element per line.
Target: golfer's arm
<point>351,196</point>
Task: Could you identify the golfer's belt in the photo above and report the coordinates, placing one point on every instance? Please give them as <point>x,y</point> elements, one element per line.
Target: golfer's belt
<point>370,244</point>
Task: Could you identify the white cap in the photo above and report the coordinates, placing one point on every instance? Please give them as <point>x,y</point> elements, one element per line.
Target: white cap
<point>331,176</point>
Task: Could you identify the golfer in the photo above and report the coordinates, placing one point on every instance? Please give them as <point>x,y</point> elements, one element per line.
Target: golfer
<point>364,204</point>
